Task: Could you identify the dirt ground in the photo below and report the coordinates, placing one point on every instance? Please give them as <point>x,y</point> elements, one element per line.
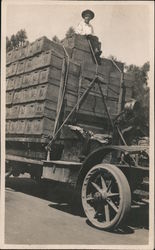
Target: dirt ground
<point>37,217</point>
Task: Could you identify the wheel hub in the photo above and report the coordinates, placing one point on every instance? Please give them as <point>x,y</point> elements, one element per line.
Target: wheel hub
<point>104,195</point>
<point>100,196</point>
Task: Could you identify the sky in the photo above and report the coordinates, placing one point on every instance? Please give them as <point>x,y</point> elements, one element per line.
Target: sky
<point>124,28</point>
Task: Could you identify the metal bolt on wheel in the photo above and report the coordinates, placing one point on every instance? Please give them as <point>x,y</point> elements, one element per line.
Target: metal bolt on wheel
<point>106,196</point>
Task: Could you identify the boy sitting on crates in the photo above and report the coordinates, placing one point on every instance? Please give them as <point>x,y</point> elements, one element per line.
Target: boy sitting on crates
<point>86,29</point>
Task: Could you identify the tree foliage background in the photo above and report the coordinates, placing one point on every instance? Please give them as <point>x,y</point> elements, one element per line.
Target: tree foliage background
<point>16,40</point>
<point>141,89</point>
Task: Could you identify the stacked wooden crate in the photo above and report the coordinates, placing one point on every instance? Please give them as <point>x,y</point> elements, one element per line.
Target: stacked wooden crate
<point>80,48</point>
<point>33,81</point>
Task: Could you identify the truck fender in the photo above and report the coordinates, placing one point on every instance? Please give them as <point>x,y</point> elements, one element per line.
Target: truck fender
<point>93,159</point>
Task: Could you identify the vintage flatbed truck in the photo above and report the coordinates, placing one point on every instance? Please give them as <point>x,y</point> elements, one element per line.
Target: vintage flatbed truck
<point>71,120</point>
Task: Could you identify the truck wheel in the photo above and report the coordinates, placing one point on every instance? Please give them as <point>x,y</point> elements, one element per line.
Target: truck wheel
<point>106,196</point>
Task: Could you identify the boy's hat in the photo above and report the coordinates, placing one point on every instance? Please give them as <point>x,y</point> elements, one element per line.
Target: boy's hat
<point>88,12</point>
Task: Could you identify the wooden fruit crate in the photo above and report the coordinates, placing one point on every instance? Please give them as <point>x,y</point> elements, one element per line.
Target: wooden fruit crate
<point>21,67</point>
<point>42,60</point>
<point>28,65</point>
<point>16,55</point>
<point>25,95</point>
<point>44,44</point>
<point>23,52</point>
<point>33,127</point>
<point>113,91</point>
<point>12,69</point>
<point>112,107</point>
<point>78,42</point>
<point>34,93</point>
<point>8,70</point>
<point>41,44</point>
<point>50,59</point>
<point>18,96</point>
<point>72,84</point>
<point>34,79</point>
<point>49,74</point>
<point>30,94</point>
<point>23,110</point>
<point>9,97</point>
<point>30,49</point>
<point>46,59</point>
<point>9,57</point>
<point>89,71</point>
<point>18,82</point>
<point>10,83</point>
<point>20,127</point>
<point>7,126</point>
<point>40,76</point>
<point>74,68</point>
<point>12,112</point>
<point>38,110</point>
<point>39,127</point>
<point>48,92</point>
<point>82,57</point>
<point>42,111</point>
<point>115,81</point>
<point>27,80</point>
<point>13,126</point>
<point>95,90</point>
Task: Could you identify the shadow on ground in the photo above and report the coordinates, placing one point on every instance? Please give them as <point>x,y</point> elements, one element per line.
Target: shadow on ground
<point>62,198</point>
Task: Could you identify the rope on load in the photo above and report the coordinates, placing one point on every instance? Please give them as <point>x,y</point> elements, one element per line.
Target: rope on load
<point>65,71</point>
<point>61,97</point>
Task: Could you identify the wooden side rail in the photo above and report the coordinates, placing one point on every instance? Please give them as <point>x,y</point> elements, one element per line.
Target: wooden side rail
<point>23,159</point>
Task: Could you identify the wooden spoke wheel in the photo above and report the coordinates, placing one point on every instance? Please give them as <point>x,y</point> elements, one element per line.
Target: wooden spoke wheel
<point>106,196</point>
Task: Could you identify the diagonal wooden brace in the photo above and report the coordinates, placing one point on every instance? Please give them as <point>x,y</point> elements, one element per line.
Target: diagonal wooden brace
<point>80,101</point>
